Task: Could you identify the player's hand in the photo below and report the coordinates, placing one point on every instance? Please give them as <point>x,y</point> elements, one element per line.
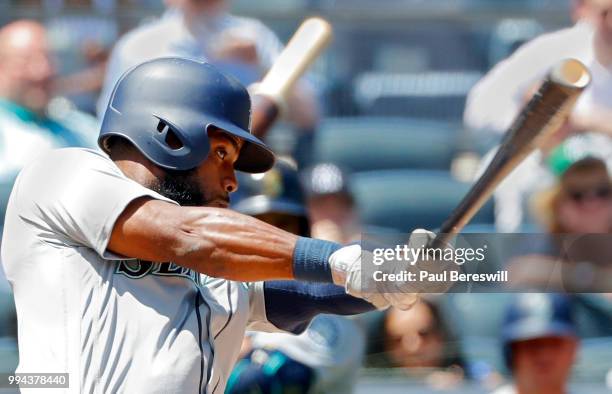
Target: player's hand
<point>347,271</point>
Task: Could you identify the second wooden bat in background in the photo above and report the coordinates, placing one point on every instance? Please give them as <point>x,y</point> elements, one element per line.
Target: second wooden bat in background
<point>305,46</point>
<point>543,115</point>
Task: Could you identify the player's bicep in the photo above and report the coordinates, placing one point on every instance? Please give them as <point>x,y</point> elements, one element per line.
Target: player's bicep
<point>146,229</point>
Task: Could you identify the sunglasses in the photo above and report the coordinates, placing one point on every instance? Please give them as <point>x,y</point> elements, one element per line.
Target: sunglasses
<point>603,192</point>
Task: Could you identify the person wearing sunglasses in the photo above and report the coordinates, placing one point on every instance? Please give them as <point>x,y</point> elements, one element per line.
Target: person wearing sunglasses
<point>573,251</point>
<point>581,202</point>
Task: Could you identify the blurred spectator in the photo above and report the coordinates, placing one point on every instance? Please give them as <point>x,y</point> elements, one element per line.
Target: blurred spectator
<point>540,344</point>
<point>419,341</point>
<point>495,101</point>
<point>81,33</point>
<point>581,202</point>
<point>87,81</point>
<point>331,207</point>
<point>275,197</point>
<point>29,125</point>
<point>572,257</point>
<point>326,357</point>
<point>538,172</point>
<point>205,30</point>
<point>323,359</point>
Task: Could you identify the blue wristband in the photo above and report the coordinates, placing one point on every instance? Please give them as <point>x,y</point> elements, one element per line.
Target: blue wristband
<point>311,260</point>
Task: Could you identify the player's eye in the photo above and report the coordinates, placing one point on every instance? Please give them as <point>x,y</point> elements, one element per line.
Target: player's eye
<point>221,153</point>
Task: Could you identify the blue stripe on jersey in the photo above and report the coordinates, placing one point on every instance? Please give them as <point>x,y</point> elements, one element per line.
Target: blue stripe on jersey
<point>231,309</point>
<point>198,303</point>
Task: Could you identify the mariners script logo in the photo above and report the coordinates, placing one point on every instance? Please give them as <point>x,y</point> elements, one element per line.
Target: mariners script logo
<point>136,269</point>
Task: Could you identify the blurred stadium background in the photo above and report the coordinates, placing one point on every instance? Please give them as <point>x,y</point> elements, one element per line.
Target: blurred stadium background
<point>393,87</point>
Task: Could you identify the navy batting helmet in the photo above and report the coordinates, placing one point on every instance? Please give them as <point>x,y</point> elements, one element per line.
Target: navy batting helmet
<point>166,106</point>
<point>534,315</point>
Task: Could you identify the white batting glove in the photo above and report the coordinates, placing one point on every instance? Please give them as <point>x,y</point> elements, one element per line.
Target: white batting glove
<point>346,269</point>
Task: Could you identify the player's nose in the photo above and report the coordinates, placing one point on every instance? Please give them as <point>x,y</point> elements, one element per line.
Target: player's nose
<point>230,183</point>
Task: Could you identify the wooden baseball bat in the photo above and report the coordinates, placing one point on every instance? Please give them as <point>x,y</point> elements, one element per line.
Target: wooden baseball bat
<point>542,115</point>
<point>310,39</point>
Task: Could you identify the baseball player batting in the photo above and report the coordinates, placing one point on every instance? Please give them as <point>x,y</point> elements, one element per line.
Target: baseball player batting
<point>127,270</point>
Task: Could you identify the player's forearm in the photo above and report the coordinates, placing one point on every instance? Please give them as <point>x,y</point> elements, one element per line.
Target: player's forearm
<point>213,241</point>
<point>226,244</point>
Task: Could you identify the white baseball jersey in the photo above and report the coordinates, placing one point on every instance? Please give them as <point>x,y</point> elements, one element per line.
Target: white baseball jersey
<point>114,324</point>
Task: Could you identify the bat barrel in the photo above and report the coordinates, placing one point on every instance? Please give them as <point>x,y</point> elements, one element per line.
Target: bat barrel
<point>270,94</point>
<point>302,50</point>
<point>571,73</point>
<point>543,115</point>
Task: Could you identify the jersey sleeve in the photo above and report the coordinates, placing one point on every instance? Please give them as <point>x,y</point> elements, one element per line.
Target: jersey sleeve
<point>258,321</point>
<point>73,197</point>
<point>289,305</point>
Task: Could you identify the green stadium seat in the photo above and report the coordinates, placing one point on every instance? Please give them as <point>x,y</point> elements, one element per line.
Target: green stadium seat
<point>7,314</point>
<point>9,358</point>
<point>409,199</point>
<point>6,185</point>
<point>364,143</point>
<point>427,95</point>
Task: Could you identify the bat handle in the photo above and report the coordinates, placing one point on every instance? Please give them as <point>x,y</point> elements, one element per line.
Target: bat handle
<point>264,114</point>
<point>441,241</point>
<point>466,209</point>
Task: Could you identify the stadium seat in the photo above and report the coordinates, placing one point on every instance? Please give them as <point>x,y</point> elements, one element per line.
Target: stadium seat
<point>6,185</point>
<point>9,357</point>
<point>7,313</point>
<point>429,95</point>
<point>409,199</point>
<point>5,191</point>
<point>370,143</point>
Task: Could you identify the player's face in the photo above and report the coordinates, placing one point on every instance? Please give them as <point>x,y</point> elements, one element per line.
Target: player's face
<point>543,362</point>
<point>212,182</point>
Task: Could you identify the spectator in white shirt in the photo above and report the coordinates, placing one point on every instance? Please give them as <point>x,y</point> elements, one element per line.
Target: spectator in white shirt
<point>205,30</point>
<point>496,100</point>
